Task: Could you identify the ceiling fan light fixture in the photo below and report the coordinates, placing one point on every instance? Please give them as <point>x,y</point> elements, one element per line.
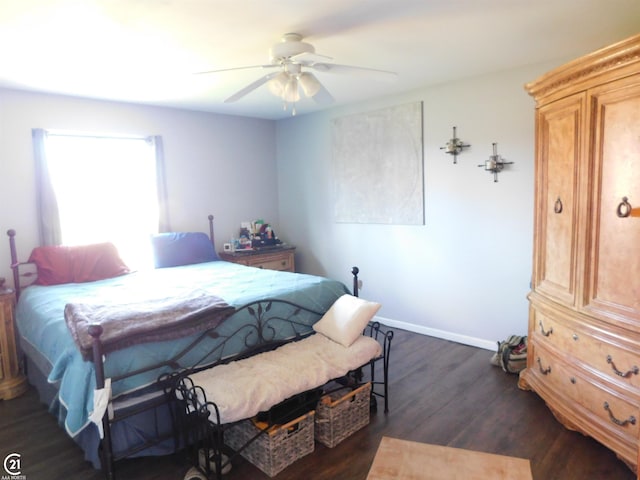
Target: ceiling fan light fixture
<point>310,84</point>
<point>278,83</point>
<point>291,94</point>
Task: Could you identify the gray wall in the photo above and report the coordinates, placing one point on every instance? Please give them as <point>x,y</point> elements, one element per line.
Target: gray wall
<point>216,164</point>
<point>465,274</point>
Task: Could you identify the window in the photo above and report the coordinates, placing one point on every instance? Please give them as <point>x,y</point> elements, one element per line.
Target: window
<point>104,189</point>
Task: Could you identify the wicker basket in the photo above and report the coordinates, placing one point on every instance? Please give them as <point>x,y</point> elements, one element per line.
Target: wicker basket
<point>341,413</point>
<point>275,450</point>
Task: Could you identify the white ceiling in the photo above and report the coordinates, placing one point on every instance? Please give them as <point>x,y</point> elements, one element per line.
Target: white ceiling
<point>147,51</point>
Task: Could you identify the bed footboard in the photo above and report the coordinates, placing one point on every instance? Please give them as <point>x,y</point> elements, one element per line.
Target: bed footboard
<point>273,323</point>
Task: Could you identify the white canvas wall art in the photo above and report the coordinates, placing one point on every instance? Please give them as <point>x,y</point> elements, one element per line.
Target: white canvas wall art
<point>378,166</point>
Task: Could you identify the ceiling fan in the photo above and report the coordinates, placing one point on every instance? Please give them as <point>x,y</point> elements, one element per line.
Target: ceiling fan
<point>291,58</point>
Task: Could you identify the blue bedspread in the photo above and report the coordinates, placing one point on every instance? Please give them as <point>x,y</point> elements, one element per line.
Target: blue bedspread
<point>45,335</point>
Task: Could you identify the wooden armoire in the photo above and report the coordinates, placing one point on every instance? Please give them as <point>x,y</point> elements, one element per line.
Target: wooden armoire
<point>584,320</point>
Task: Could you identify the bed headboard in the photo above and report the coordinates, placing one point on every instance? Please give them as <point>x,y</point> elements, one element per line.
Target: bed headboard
<point>211,237</point>
<point>25,273</point>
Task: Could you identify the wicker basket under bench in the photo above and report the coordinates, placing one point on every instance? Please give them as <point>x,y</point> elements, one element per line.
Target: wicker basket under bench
<point>276,449</point>
<point>337,415</point>
<point>341,413</point>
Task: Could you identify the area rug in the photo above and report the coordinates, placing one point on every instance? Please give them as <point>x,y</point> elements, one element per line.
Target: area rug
<point>401,459</point>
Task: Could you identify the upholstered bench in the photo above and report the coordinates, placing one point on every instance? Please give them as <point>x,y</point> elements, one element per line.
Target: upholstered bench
<point>243,388</point>
<point>240,389</point>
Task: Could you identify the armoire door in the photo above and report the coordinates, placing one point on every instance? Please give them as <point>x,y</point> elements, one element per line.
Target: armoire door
<point>560,142</point>
<point>613,272</point>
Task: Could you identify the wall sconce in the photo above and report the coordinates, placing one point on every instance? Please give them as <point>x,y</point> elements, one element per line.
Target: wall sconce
<point>495,164</point>
<point>454,146</point>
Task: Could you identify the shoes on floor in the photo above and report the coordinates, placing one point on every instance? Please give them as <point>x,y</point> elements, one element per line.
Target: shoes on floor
<point>212,462</point>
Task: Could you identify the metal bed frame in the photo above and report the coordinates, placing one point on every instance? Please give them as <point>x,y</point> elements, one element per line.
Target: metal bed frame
<point>258,336</point>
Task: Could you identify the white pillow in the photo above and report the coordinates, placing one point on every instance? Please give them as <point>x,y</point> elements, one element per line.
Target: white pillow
<point>346,319</point>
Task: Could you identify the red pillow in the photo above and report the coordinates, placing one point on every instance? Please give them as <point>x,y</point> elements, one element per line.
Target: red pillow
<point>77,264</point>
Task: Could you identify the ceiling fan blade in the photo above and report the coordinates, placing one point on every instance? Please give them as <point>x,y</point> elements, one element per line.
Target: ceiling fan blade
<point>308,58</point>
<point>323,97</point>
<point>351,70</point>
<point>249,88</point>
<point>236,68</point>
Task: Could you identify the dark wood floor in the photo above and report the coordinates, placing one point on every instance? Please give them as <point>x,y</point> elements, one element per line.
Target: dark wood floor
<point>441,393</point>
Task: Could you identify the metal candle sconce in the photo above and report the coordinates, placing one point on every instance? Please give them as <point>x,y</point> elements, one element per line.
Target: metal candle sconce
<point>454,146</point>
<point>495,164</point>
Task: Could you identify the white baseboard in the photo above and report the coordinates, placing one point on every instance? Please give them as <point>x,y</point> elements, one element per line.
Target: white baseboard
<point>433,332</point>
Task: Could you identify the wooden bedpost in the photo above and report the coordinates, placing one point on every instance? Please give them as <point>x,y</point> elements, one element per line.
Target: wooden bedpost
<point>355,271</point>
<point>211,230</point>
<point>95,330</point>
<point>14,261</point>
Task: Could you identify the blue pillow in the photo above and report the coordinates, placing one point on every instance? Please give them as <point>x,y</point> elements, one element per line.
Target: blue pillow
<point>182,248</point>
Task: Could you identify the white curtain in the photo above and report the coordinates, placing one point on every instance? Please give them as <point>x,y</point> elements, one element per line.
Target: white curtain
<point>47,204</point>
<point>82,190</point>
<point>164,223</point>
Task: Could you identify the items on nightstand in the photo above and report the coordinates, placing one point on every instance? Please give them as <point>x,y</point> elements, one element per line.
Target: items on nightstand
<point>255,235</point>
<point>259,246</point>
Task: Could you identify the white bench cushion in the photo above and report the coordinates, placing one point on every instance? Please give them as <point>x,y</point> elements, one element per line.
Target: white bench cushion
<point>243,388</point>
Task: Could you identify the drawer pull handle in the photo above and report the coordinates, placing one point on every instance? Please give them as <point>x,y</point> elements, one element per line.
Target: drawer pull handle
<point>557,207</point>
<point>634,370</point>
<point>573,380</point>
<point>544,371</point>
<point>575,337</point>
<point>622,423</point>
<point>548,332</point>
<point>624,208</point>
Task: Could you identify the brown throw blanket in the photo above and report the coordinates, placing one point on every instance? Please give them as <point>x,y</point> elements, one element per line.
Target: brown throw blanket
<point>155,319</point>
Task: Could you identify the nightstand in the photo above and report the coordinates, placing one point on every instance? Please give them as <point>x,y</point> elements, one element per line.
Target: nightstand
<point>280,258</point>
<point>12,382</point>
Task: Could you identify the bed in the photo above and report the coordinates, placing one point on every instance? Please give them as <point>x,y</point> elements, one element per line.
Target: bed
<point>67,376</point>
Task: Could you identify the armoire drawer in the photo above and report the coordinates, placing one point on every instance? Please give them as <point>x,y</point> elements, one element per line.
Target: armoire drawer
<point>584,344</point>
<point>611,407</point>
